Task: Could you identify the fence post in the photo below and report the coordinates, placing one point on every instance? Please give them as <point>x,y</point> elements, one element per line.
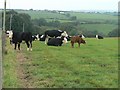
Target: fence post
<point>1,80</point>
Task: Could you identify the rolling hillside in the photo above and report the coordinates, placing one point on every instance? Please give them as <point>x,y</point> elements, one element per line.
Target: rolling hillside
<point>102,22</point>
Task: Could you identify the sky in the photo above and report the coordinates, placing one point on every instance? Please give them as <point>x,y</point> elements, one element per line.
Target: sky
<point>65,5</point>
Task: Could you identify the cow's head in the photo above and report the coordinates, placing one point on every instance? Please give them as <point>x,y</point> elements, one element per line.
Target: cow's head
<point>64,34</point>
<point>64,39</point>
<point>96,36</point>
<point>37,36</point>
<point>9,34</point>
<point>83,41</point>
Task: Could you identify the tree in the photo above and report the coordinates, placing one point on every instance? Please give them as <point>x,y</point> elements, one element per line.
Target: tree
<point>17,21</point>
<point>73,18</point>
<point>69,27</point>
<point>114,33</point>
<point>40,22</point>
<point>54,23</point>
<point>67,15</point>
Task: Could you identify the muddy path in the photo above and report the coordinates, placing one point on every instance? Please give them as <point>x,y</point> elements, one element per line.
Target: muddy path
<point>22,74</point>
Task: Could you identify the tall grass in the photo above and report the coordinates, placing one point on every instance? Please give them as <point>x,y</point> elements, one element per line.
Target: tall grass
<point>10,79</point>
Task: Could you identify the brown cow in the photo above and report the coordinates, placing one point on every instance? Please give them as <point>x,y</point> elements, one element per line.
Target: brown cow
<point>77,39</point>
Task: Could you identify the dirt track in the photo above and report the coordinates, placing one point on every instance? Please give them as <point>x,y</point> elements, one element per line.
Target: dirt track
<point>22,75</point>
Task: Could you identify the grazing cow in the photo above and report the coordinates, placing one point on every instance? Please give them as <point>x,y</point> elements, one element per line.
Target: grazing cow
<point>68,38</point>
<point>77,39</point>
<point>40,37</point>
<point>99,37</point>
<point>54,34</point>
<point>18,37</point>
<point>34,38</point>
<point>56,41</point>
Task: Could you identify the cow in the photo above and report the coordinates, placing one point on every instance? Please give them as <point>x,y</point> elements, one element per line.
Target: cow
<point>18,37</point>
<point>99,37</point>
<point>68,38</point>
<point>77,39</point>
<point>57,41</point>
<point>9,33</point>
<point>40,37</point>
<point>34,37</point>
<point>82,36</point>
<point>53,34</point>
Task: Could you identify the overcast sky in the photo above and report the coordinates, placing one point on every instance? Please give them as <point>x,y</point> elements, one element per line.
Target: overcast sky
<point>62,4</point>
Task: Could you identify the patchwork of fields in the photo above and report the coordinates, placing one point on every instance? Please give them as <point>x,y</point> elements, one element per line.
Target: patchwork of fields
<point>101,22</point>
<point>94,65</point>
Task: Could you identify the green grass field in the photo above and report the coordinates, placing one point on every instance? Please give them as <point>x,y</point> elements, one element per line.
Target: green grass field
<point>104,28</point>
<point>43,14</point>
<point>94,65</point>
<point>81,16</point>
<point>95,17</point>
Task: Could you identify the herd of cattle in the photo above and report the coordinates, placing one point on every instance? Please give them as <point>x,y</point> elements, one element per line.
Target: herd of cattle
<point>51,38</point>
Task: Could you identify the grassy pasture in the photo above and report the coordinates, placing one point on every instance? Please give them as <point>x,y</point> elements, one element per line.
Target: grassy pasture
<point>80,16</point>
<point>43,14</point>
<point>97,17</point>
<point>94,65</point>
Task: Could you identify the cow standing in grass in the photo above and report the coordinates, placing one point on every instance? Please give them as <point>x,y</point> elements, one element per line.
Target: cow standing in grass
<point>54,34</point>
<point>77,39</point>
<point>18,37</point>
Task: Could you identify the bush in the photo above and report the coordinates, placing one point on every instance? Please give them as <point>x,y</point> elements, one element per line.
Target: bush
<point>114,33</point>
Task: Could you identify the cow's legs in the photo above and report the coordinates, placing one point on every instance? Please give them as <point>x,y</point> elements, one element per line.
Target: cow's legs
<point>15,46</point>
<point>72,45</point>
<point>27,45</point>
<point>19,46</point>
<point>31,45</point>
<point>46,40</point>
<point>78,44</point>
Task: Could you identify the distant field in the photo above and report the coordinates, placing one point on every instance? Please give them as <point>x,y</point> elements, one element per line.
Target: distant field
<point>94,65</point>
<point>104,28</point>
<point>95,17</point>
<point>80,16</point>
<point>43,14</point>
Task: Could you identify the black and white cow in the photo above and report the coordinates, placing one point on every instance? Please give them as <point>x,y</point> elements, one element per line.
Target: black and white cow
<point>34,37</point>
<point>18,37</point>
<point>9,33</point>
<point>40,37</point>
<point>99,37</point>
<point>82,36</point>
<point>53,34</point>
<point>57,41</point>
<point>68,38</point>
